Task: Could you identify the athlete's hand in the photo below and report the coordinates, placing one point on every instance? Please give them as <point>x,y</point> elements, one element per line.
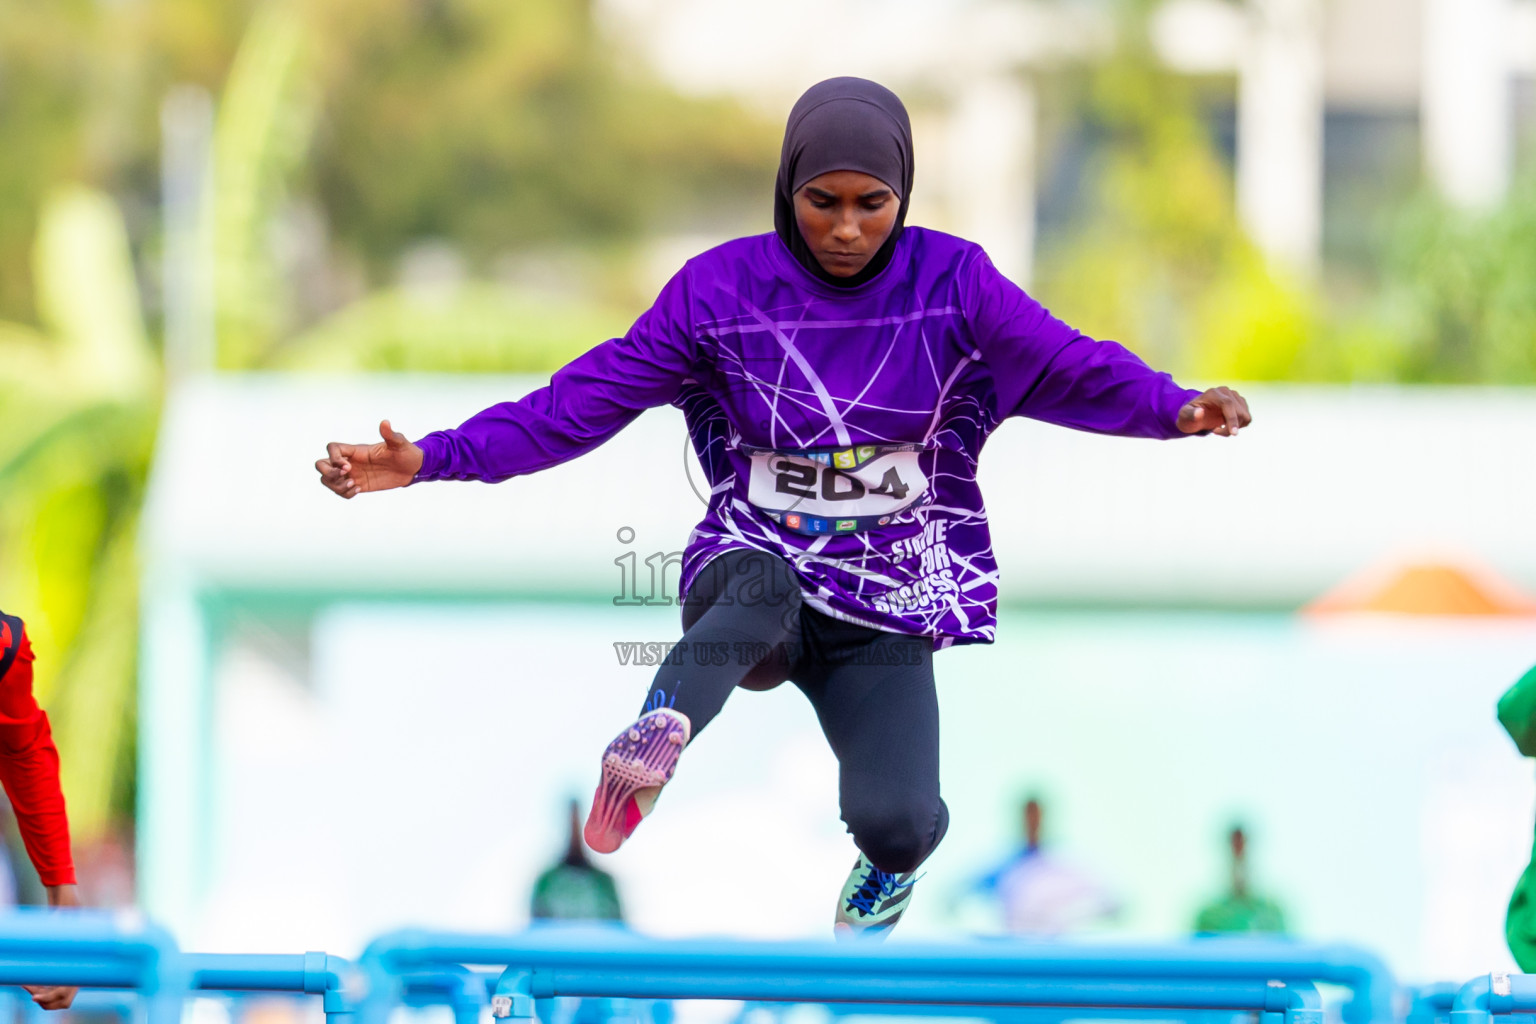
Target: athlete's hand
<point>56,997</point>
<point>351,469</point>
<point>1219,410</point>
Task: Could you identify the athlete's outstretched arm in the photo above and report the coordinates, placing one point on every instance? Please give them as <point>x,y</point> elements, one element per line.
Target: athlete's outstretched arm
<point>1047,370</point>
<point>588,400</point>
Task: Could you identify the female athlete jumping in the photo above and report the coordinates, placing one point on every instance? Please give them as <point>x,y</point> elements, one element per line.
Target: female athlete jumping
<point>838,378</point>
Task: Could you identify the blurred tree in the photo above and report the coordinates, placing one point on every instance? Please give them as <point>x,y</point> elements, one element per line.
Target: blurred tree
<point>476,328</point>
<point>81,401</point>
<point>80,87</point>
<point>260,142</point>
<point>488,127</point>
<point>1157,258</point>
<point>484,128</point>
<point>498,125</point>
<point>1460,303</point>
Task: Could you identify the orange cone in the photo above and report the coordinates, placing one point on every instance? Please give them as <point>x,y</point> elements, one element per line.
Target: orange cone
<point>1425,589</point>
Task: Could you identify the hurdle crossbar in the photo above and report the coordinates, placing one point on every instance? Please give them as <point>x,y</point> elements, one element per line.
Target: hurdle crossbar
<point>1270,977</point>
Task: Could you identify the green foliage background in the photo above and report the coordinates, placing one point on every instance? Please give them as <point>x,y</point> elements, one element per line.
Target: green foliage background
<point>519,131</point>
<point>494,126</point>
<point>1158,260</point>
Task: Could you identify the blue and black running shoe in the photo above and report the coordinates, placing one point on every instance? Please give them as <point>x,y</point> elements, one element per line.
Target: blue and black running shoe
<point>872,901</point>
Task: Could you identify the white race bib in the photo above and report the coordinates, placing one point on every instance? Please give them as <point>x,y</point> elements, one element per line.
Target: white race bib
<point>836,491</point>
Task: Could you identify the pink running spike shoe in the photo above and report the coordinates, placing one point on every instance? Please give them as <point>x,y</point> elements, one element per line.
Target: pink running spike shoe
<point>638,762</point>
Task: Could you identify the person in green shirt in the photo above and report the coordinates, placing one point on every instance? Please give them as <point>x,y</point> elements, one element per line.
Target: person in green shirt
<point>1239,909</point>
<point>1517,714</point>
<point>575,889</point>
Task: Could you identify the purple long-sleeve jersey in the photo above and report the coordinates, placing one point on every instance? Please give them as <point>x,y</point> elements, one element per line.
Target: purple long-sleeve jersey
<point>838,428</point>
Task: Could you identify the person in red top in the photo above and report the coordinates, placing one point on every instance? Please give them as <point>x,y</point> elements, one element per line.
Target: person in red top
<point>29,771</point>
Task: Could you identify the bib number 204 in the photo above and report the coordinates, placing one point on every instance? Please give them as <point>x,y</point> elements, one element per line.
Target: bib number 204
<point>800,480</point>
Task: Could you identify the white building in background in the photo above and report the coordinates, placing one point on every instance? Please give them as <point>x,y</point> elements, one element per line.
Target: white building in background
<point>968,67</point>
<point>1471,50</point>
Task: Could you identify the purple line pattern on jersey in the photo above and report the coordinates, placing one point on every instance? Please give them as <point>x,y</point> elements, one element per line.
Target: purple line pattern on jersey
<point>933,354</point>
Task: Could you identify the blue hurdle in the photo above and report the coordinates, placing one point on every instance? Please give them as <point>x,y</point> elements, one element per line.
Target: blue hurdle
<point>97,951</point>
<point>1266,977</point>
<point>302,974</point>
<point>463,991</point>
<point>123,964</point>
<point>132,965</point>
<point>1429,1004</point>
<point>1490,994</point>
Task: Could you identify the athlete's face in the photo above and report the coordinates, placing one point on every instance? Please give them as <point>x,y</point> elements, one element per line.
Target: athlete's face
<point>845,217</point>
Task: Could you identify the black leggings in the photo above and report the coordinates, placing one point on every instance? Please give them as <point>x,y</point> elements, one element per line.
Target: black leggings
<point>746,625</point>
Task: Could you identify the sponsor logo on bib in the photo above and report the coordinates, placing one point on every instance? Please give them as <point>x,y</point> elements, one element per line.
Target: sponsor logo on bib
<point>844,491</point>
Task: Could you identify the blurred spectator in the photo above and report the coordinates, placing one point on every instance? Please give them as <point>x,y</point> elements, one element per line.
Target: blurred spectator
<point>1041,893</point>
<point>1240,909</point>
<point>575,889</point>
<point>1517,714</point>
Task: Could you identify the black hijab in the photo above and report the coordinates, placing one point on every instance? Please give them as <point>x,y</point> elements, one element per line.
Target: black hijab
<point>844,124</point>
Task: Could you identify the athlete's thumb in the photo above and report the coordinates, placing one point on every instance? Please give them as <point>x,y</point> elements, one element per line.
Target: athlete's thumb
<point>392,438</point>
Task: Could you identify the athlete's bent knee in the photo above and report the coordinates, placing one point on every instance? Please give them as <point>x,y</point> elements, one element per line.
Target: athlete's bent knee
<point>897,838</point>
